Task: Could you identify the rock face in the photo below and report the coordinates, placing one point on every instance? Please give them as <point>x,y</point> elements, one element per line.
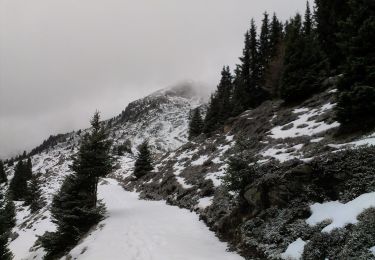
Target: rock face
<point>298,162</point>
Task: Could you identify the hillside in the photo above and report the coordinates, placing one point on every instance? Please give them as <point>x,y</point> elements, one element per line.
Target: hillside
<point>280,209</point>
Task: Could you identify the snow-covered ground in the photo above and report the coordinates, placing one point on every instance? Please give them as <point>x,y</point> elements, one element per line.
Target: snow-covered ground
<point>340,214</point>
<point>294,250</point>
<point>148,230</point>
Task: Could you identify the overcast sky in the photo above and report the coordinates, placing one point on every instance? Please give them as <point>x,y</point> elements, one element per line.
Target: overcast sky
<point>62,59</point>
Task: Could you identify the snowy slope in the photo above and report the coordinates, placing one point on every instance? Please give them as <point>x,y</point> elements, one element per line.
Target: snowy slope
<point>148,230</point>
<point>161,118</point>
<point>187,174</point>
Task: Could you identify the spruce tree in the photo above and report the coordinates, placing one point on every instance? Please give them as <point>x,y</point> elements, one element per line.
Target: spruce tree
<point>29,169</point>
<point>75,209</point>
<point>195,124</point>
<point>356,105</point>
<point>7,221</point>
<point>276,34</point>
<point>220,105</point>
<point>248,92</point>
<point>305,65</point>
<point>276,64</point>
<point>308,22</point>
<point>18,185</point>
<point>34,195</point>
<point>264,45</point>
<point>5,253</point>
<point>3,176</point>
<point>143,164</point>
<point>329,14</point>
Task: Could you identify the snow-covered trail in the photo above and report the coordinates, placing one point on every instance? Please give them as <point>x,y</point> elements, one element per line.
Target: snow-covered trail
<point>148,230</point>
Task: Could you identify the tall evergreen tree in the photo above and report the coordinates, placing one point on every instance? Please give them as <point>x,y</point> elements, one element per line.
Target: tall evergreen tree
<point>143,164</point>
<point>18,185</point>
<point>277,52</point>
<point>248,92</point>
<point>195,124</point>
<point>264,45</point>
<point>356,106</point>
<point>276,35</point>
<point>7,221</point>
<point>75,209</point>
<point>28,169</point>
<point>220,105</point>
<point>305,65</point>
<point>3,176</point>
<point>34,195</point>
<point>308,22</point>
<point>328,15</point>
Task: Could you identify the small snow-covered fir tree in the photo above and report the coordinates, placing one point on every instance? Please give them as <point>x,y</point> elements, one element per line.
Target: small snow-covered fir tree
<point>34,195</point>
<point>18,185</point>
<point>195,124</point>
<point>143,164</point>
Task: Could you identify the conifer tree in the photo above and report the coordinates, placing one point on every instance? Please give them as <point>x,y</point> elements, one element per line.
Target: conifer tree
<point>220,105</point>
<point>143,164</point>
<point>7,221</point>
<point>264,44</point>
<point>276,35</point>
<point>3,177</point>
<point>34,195</point>
<point>308,22</point>
<point>329,14</point>
<point>248,92</point>
<point>75,209</point>
<point>276,61</point>
<point>356,105</point>
<point>195,124</point>
<point>305,65</point>
<point>18,185</point>
<point>5,253</point>
<point>28,169</point>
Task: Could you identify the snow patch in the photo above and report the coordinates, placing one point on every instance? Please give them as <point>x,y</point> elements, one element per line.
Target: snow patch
<point>310,128</point>
<point>182,182</point>
<point>294,250</point>
<point>205,202</point>
<point>200,160</point>
<point>283,154</point>
<point>338,213</point>
<point>372,250</point>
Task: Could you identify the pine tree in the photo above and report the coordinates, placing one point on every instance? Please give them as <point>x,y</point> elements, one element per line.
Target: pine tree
<point>75,209</point>
<point>143,164</point>
<point>264,45</point>
<point>248,92</point>
<point>276,35</point>
<point>305,65</point>
<point>220,105</point>
<point>29,169</point>
<point>7,221</point>
<point>18,185</point>
<point>329,14</point>
<point>195,124</point>
<point>275,66</point>
<point>5,253</point>
<point>356,105</point>
<point>34,195</point>
<point>308,22</point>
<point>3,176</point>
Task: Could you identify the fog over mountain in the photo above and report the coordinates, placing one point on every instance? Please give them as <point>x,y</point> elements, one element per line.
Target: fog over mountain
<point>61,60</point>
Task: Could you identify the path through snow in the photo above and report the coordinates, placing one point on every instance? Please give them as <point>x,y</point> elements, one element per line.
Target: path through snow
<point>148,230</point>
